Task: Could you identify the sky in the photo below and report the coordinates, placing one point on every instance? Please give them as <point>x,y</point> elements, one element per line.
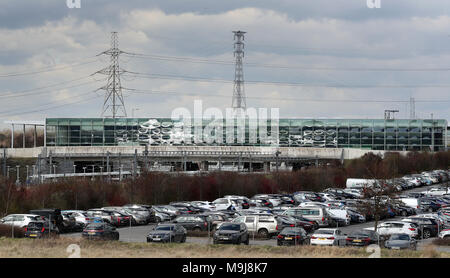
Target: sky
<point>310,59</point>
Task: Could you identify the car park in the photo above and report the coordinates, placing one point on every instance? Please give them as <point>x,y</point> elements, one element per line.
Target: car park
<point>292,236</point>
<point>231,232</point>
<point>167,232</point>
<point>100,231</point>
<point>331,237</point>
<point>401,241</point>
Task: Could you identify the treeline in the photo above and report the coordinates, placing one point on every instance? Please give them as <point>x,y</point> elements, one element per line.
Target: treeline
<point>5,138</point>
<point>161,188</point>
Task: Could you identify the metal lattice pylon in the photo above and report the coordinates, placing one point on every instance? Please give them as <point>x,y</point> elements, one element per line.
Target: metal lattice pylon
<point>113,105</point>
<point>238,101</point>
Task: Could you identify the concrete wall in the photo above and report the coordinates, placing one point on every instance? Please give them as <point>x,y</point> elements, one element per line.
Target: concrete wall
<point>293,152</point>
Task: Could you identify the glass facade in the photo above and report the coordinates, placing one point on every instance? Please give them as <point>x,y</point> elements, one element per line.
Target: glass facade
<point>330,133</point>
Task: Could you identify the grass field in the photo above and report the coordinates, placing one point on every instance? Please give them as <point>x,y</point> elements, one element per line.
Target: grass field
<point>57,248</point>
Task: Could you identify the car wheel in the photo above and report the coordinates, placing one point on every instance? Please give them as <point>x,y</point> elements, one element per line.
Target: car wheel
<point>404,213</point>
<point>158,219</point>
<point>426,234</point>
<point>430,210</point>
<point>183,240</point>
<point>197,229</point>
<point>263,233</point>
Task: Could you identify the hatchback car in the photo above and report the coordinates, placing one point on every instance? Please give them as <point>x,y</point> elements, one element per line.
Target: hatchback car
<point>100,231</point>
<point>40,229</point>
<point>401,241</point>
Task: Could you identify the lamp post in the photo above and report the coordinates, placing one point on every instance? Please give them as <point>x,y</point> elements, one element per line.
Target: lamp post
<point>18,173</point>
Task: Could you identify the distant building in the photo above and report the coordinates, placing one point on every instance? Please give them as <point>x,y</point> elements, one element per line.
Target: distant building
<point>376,134</point>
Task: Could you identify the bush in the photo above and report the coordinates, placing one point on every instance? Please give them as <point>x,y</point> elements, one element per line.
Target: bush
<point>6,231</point>
<point>442,241</point>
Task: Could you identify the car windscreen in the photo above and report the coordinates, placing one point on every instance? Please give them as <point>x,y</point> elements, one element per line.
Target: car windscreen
<point>231,227</point>
<point>164,228</point>
<point>35,225</point>
<point>94,226</point>
<point>290,230</point>
<point>399,237</point>
<point>325,232</point>
<point>360,234</point>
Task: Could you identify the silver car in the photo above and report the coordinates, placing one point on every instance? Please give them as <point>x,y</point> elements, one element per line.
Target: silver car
<point>401,241</point>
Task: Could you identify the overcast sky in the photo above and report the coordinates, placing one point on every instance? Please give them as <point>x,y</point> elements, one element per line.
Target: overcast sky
<point>317,59</point>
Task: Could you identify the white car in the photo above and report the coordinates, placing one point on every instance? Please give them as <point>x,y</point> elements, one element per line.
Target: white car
<point>80,216</point>
<point>341,214</point>
<point>331,237</point>
<point>444,233</point>
<point>436,192</point>
<point>204,205</point>
<point>224,203</point>
<point>396,227</point>
<point>19,220</point>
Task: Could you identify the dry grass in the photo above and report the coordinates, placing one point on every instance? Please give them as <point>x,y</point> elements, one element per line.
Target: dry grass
<point>56,248</point>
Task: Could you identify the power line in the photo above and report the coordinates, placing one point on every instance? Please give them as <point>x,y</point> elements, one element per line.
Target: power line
<point>158,92</point>
<point>48,69</point>
<point>280,83</point>
<point>280,66</point>
<point>14,113</point>
<point>29,91</point>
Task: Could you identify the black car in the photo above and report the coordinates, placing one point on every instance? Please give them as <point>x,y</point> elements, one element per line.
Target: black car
<point>284,221</point>
<point>167,233</point>
<point>362,238</point>
<point>428,227</point>
<point>40,229</point>
<point>235,233</point>
<point>53,215</point>
<point>194,222</point>
<point>100,231</point>
<point>292,236</point>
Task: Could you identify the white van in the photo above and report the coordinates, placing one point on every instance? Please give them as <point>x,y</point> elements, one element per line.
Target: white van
<point>411,202</point>
<point>317,214</point>
<point>360,183</point>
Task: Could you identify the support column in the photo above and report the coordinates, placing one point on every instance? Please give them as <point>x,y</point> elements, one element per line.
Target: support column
<point>12,136</point>
<point>23,146</point>
<point>34,136</point>
<point>267,166</point>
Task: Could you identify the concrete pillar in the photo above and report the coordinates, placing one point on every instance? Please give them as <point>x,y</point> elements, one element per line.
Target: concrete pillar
<point>204,165</point>
<point>12,136</point>
<point>23,146</point>
<point>267,166</point>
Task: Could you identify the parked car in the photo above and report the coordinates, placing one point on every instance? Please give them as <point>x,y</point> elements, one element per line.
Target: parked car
<point>41,229</point>
<point>292,236</point>
<point>167,233</point>
<point>194,222</point>
<point>444,233</point>
<point>80,216</point>
<point>100,231</point>
<point>362,238</point>
<point>332,237</point>
<point>284,221</point>
<point>167,209</point>
<point>19,220</point>
<point>264,225</point>
<point>401,241</point>
<point>53,215</point>
<point>230,232</point>
<point>427,227</point>
<point>396,227</point>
